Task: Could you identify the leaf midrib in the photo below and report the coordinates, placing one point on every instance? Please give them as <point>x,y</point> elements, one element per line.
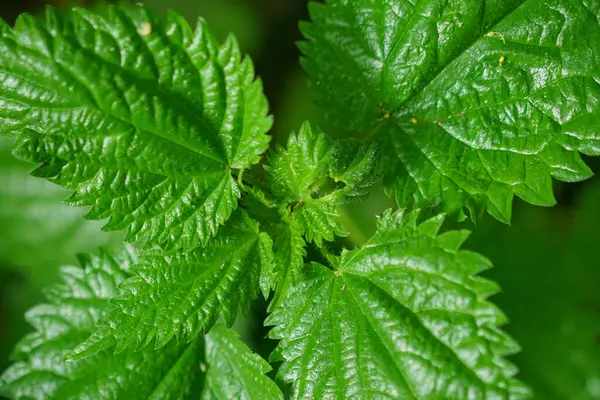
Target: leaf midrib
<point>367,317</point>
<point>409,383</point>
<point>234,257</point>
<point>159,89</point>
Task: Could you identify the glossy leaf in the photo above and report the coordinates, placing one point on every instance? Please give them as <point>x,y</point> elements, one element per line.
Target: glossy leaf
<point>234,371</point>
<point>40,372</point>
<point>402,317</point>
<point>180,295</point>
<point>144,119</point>
<point>474,101</point>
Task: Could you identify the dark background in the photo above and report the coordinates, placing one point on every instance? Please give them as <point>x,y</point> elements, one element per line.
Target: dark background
<point>547,262</point>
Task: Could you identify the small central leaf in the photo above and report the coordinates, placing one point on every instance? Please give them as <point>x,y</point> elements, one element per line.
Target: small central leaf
<point>313,175</point>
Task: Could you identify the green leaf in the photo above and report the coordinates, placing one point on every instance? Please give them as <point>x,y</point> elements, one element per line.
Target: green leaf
<point>287,268</point>
<point>180,295</point>
<point>143,119</point>
<point>319,219</point>
<point>234,372</point>
<point>356,164</point>
<point>297,174</point>
<point>75,306</point>
<point>297,170</point>
<point>474,102</point>
<point>313,175</point>
<point>402,317</point>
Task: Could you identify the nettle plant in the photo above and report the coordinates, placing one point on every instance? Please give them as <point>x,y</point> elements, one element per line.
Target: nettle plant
<point>455,105</point>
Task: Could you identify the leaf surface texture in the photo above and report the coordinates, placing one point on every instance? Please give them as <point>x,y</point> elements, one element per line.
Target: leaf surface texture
<point>402,317</point>
<point>474,101</point>
<point>145,120</point>
<point>40,372</point>
<point>182,295</point>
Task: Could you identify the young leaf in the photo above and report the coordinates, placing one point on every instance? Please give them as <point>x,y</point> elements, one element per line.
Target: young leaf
<point>180,295</point>
<point>313,175</point>
<point>297,174</point>
<point>234,372</point>
<point>40,371</point>
<point>310,178</point>
<point>286,271</point>
<point>143,119</point>
<point>474,101</point>
<point>356,163</point>
<point>402,317</point>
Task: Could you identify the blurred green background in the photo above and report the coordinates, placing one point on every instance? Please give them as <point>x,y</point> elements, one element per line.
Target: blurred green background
<point>547,262</point>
